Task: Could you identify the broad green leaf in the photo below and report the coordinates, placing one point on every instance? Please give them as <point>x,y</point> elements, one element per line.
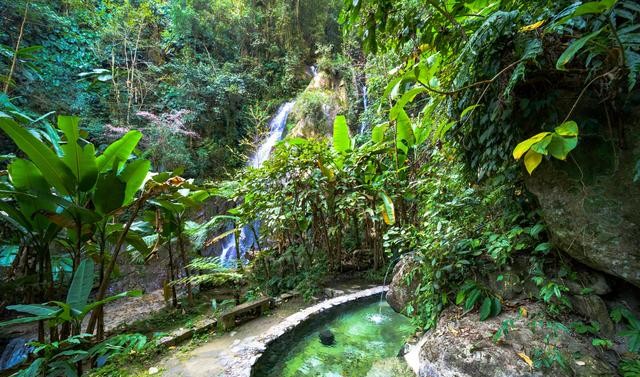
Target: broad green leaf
<point>35,309</point>
<point>109,193</point>
<point>81,285</point>
<point>407,97</point>
<point>569,128</point>
<point>22,320</point>
<point>531,160</point>
<point>404,136</point>
<point>524,146</point>
<point>421,133</point>
<point>119,151</point>
<point>443,128</point>
<point>26,176</point>
<point>11,215</point>
<point>468,110</point>
<point>473,296</point>
<point>70,127</point>
<point>496,308</point>
<point>485,308</point>
<point>341,138</point>
<point>378,132</point>
<point>51,167</point>
<point>592,7</point>
<point>574,48</point>
<point>388,209</point>
<point>80,160</point>
<point>561,146</point>
<point>35,369</point>
<point>541,146</point>
<point>134,175</point>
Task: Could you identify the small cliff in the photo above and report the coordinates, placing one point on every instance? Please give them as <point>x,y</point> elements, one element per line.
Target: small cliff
<point>320,103</point>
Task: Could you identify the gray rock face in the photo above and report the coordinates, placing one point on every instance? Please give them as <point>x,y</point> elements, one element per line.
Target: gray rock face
<point>400,292</point>
<point>594,308</point>
<point>589,282</point>
<point>463,347</point>
<point>593,212</point>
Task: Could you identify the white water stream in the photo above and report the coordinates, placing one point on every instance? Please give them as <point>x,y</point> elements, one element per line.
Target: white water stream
<point>250,233</point>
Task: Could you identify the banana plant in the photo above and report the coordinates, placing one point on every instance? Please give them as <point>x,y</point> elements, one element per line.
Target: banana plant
<point>175,206</point>
<point>65,185</point>
<point>73,310</point>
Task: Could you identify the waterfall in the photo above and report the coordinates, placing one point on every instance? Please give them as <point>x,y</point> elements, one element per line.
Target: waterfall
<point>14,353</point>
<point>249,233</point>
<point>365,106</point>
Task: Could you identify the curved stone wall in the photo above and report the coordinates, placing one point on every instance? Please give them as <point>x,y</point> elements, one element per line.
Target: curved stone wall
<point>250,352</point>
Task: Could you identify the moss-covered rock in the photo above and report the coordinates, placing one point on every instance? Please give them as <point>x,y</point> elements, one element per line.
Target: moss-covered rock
<point>464,346</point>
<point>317,107</point>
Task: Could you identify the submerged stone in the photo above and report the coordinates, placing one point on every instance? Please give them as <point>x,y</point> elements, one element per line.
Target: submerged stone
<point>327,338</point>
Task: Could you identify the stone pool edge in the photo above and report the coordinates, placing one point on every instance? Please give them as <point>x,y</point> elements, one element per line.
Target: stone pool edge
<point>251,352</point>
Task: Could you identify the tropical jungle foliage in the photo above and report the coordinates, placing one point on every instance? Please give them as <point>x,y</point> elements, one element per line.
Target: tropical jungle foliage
<point>452,106</point>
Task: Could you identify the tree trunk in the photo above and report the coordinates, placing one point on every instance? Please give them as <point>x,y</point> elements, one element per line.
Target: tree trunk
<point>107,274</point>
<point>174,296</point>
<point>15,52</point>
<point>185,263</point>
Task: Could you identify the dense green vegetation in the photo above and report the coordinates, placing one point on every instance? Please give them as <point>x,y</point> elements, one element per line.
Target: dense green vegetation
<point>214,71</point>
<point>459,92</point>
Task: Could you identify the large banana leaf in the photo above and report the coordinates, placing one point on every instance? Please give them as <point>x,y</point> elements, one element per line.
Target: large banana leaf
<point>119,151</point>
<point>52,168</point>
<point>109,193</point>
<point>134,175</point>
<point>341,138</point>
<point>388,209</point>
<point>39,312</point>
<point>81,286</point>
<point>81,160</point>
<point>404,136</point>
<point>26,176</point>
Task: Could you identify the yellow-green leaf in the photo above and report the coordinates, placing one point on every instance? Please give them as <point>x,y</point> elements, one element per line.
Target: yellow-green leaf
<point>388,210</point>
<point>526,359</point>
<point>531,160</point>
<point>532,27</point>
<point>526,145</point>
<point>569,128</point>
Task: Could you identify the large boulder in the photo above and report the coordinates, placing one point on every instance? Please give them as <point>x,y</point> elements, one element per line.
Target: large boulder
<point>463,347</point>
<point>591,204</point>
<point>402,288</point>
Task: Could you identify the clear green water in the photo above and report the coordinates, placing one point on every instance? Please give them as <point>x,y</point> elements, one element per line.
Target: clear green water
<point>367,342</point>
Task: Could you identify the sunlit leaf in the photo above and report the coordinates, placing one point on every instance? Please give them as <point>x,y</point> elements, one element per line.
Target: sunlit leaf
<point>531,160</point>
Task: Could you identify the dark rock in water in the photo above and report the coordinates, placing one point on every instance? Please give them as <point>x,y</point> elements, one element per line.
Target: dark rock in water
<point>327,338</point>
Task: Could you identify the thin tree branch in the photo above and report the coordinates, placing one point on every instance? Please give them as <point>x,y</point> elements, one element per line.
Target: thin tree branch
<point>15,53</point>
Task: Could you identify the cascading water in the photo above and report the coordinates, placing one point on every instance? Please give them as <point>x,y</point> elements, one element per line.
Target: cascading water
<point>365,106</point>
<point>250,233</point>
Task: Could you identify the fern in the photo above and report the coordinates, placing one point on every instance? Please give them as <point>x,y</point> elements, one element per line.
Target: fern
<point>630,368</point>
<point>211,271</point>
